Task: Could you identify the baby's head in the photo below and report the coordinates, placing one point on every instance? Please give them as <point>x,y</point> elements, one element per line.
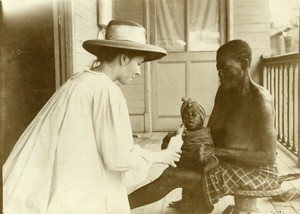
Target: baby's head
<point>192,114</point>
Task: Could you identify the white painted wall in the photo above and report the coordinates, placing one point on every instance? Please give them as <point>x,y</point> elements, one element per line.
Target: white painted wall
<point>135,92</point>
<point>252,24</point>
<point>84,28</point>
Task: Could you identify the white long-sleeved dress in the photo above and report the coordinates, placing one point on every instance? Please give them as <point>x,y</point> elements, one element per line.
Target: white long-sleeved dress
<point>77,154</point>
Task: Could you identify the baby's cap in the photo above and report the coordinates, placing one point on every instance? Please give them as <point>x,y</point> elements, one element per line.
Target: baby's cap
<point>188,102</point>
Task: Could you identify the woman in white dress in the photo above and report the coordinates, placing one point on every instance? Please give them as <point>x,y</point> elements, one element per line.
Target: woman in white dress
<point>78,155</point>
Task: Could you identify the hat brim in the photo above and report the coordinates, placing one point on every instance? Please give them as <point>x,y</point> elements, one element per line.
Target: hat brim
<point>97,48</point>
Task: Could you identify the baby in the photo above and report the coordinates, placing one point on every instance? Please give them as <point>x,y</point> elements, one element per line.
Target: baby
<point>195,137</point>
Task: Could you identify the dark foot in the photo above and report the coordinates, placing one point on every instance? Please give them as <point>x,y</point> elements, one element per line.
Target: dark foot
<point>193,206</point>
<point>185,206</point>
<point>176,204</point>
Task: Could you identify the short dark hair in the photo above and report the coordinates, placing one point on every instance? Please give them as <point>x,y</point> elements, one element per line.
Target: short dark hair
<point>238,49</point>
<point>111,53</point>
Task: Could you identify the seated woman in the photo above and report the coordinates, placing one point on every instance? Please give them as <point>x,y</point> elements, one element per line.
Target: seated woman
<point>242,126</point>
<point>195,137</point>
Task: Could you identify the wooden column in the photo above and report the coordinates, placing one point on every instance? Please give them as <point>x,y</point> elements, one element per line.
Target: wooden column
<point>298,100</point>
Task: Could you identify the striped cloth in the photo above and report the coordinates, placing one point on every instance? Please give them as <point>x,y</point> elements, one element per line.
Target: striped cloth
<point>226,178</point>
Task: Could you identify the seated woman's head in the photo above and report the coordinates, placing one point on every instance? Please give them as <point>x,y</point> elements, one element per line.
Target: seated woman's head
<point>192,114</point>
<point>233,62</point>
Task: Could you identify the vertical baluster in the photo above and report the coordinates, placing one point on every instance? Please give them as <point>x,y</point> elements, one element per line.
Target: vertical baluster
<point>265,73</point>
<point>276,104</point>
<point>269,79</point>
<point>297,111</point>
<point>279,114</point>
<point>290,139</point>
<point>297,144</point>
<point>271,71</point>
<point>287,115</point>
<point>275,98</point>
<point>295,88</point>
<point>294,106</point>
<point>283,104</point>
<point>272,91</point>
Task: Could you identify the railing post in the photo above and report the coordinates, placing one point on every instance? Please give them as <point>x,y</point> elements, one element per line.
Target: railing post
<point>296,108</point>
<point>265,70</point>
<point>280,105</point>
<point>298,152</point>
<point>284,106</point>
<point>290,140</point>
<point>298,93</point>
<point>277,99</point>
<point>297,100</point>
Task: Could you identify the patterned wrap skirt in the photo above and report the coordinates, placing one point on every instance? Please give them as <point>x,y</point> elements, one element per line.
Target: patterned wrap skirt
<point>227,178</point>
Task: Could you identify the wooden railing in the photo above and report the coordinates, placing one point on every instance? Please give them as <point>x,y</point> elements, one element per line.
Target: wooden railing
<point>281,78</point>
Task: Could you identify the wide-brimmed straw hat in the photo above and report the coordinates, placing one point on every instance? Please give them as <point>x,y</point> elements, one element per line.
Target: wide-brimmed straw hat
<point>124,34</point>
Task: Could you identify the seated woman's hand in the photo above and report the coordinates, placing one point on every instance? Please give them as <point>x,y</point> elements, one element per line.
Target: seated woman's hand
<point>168,156</point>
<point>189,147</point>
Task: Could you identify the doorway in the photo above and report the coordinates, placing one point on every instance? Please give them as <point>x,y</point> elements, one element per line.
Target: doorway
<point>34,61</point>
<point>191,31</point>
<point>27,64</point>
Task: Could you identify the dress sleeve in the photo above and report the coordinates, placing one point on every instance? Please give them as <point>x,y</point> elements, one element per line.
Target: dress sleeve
<point>114,139</point>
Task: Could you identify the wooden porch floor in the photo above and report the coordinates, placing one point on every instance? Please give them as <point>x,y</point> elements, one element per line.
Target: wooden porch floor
<point>152,141</point>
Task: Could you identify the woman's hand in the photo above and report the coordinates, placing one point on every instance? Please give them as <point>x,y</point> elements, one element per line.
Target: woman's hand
<point>167,156</point>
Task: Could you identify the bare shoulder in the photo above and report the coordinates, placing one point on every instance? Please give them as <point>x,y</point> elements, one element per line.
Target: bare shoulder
<point>263,103</point>
<point>261,95</point>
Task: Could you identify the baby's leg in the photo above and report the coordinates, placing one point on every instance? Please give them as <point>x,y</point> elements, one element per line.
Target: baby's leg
<point>171,179</point>
<point>193,201</point>
<point>187,161</point>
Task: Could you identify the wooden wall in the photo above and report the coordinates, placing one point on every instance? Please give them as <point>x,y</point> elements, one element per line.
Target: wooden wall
<point>252,24</point>
<point>84,27</point>
<point>134,92</point>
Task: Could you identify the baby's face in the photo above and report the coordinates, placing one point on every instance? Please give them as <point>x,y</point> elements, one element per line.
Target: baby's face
<point>192,119</point>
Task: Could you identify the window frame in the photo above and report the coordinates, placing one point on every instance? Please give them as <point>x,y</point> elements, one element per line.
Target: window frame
<point>222,25</point>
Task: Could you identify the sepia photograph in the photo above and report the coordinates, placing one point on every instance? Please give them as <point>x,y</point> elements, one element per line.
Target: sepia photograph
<point>150,106</point>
